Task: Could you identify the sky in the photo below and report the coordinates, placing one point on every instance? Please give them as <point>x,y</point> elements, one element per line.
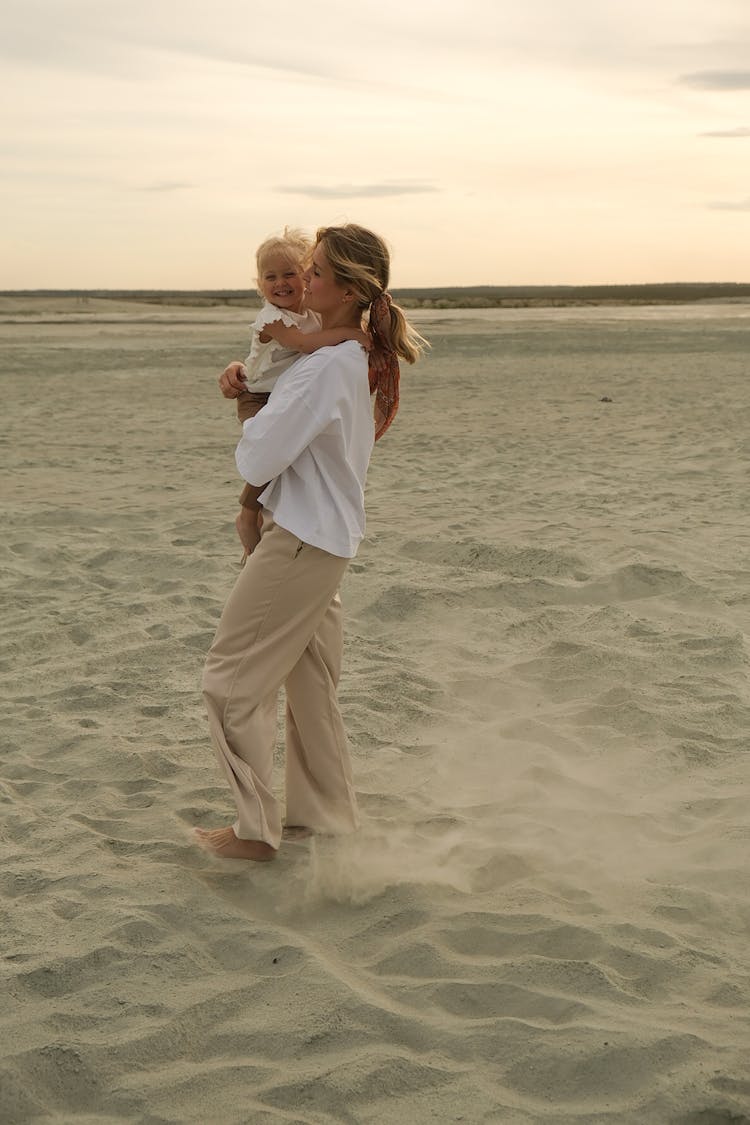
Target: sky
<point>155,143</point>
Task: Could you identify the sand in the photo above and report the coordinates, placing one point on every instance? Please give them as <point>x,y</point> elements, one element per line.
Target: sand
<point>545,915</point>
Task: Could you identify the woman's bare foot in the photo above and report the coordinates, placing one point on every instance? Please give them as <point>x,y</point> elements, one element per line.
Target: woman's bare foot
<point>223,843</point>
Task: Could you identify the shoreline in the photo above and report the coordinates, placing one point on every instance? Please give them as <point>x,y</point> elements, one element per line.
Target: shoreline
<point>70,310</point>
<point>25,302</point>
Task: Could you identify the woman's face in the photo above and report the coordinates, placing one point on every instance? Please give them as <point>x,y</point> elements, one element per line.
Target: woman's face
<point>323,294</point>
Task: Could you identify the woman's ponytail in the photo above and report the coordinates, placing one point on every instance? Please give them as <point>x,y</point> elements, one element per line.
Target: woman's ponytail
<point>360,261</point>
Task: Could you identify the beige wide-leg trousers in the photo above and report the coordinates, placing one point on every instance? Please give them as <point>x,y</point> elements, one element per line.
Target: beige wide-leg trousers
<point>282,625</point>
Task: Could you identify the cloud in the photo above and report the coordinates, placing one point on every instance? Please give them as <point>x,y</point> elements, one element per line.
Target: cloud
<point>356,191</point>
<point>717,79</point>
<point>264,64</point>
<point>85,37</point>
<point>742,131</point>
<point>165,185</point>
<point>728,205</point>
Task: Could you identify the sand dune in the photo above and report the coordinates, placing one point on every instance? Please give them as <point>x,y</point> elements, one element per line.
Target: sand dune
<point>545,914</point>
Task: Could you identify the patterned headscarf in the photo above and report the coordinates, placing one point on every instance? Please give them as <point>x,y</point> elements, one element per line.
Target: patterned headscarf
<point>384,371</point>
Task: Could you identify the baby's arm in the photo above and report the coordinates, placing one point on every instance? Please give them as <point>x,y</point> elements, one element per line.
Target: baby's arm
<point>308,342</point>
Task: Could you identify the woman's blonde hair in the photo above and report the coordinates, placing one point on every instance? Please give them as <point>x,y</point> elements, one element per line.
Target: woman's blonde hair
<point>360,260</point>
<point>293,246</point>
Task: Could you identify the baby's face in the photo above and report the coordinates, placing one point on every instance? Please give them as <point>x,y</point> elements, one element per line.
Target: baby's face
<point>281,284</point>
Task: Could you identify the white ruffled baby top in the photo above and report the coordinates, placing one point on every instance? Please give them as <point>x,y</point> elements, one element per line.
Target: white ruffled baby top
<point>267,361</point>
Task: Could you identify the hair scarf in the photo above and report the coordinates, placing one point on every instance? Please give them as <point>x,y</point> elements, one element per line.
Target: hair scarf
<point>384,371</point>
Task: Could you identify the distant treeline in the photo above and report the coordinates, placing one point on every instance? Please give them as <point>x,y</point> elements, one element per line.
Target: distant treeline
<point>491,296</point>
<point>470,296</point>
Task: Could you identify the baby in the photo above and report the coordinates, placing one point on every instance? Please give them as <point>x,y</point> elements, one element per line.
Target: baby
<point>282,330</point>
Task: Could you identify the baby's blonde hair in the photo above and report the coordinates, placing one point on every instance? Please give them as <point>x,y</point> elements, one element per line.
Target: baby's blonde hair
<point>293,246</point>
<point>361,261</point>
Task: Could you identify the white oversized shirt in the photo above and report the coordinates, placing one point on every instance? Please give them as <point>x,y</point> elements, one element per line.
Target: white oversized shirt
<point>266,361</point>
<point>313,441</point>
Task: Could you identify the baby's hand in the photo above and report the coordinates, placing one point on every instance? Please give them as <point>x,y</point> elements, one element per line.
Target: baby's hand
<point>363,338</point>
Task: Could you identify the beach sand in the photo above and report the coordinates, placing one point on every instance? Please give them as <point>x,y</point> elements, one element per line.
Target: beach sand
<point>545,915</point>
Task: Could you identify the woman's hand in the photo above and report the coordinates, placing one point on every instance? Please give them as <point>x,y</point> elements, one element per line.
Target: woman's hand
<point>248,529</point>
<point>233,380</point>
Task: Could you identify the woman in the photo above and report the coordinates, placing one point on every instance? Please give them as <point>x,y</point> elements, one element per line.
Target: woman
<point>282,621</point>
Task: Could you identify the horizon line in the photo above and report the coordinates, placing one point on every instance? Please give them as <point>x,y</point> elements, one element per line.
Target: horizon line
<point>407,289</point>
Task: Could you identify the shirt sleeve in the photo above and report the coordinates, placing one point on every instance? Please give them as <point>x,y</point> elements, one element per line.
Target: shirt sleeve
<point>260,355</point>
<point>298,410</point>
<point>269,314</point>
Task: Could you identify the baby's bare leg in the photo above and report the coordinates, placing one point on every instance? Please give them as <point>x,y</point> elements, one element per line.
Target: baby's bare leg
<point>249,403</point>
